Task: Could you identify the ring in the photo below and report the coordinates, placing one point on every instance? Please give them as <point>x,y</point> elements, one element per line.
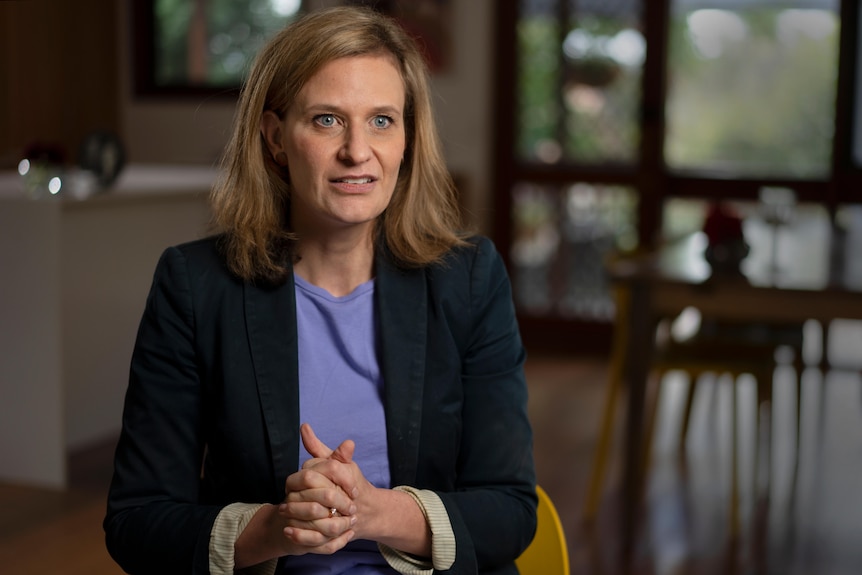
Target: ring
<point>332,512</point>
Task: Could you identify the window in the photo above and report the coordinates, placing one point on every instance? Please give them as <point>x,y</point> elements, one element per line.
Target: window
<point>751,89</point>
<point>578,96</point>
<point>621,117</point>
<point>202,46</point>
<point>578,84</point>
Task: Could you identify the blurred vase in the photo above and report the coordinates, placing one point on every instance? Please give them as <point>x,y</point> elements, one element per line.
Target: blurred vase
<point>726,257</point>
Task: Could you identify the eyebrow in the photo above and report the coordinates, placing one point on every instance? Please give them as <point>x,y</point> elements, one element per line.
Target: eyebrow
<point>384,109</point>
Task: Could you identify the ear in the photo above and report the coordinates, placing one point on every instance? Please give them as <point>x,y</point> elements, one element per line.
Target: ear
<point>271,129</point>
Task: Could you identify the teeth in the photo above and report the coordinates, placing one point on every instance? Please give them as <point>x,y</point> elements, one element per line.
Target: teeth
<point>356,180</point>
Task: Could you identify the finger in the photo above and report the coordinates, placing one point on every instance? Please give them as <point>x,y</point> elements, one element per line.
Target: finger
<point>313,541</point>
<point>309,463</point>
<point>308,478</point>
<point>344,452</point>
<point>312,504</point>
<point>312,444</point>
<point>319,450</point>
<point>339,474</point>
<point>326,521</point>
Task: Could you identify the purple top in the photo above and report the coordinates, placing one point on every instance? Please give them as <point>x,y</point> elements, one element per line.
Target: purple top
<point>341,396</point>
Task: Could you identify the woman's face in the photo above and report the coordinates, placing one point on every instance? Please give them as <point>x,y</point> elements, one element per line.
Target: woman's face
<point>344,140</point>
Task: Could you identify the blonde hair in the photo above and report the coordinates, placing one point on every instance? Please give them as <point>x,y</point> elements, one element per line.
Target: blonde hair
<point>251,200</point>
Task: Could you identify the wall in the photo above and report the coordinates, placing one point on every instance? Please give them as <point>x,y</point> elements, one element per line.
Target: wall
<point>163,131</point>
<point>58,74</point>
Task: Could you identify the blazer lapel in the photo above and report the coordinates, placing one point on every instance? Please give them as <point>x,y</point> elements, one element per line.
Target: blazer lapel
<point>402,303</point>
<point>271,325</point>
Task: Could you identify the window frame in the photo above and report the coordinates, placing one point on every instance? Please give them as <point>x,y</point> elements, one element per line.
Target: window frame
<point>143,26</point>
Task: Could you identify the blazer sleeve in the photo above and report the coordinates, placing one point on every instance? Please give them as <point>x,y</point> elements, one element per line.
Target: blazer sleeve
<point>493,506</point>
<point>154,522</point>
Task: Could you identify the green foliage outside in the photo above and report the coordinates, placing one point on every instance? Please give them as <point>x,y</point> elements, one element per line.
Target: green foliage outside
<point>538,94</point>
<point>761,109</point>
<point>235,29</point>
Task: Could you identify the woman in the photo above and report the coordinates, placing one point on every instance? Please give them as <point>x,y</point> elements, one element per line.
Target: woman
<point>333,383</point>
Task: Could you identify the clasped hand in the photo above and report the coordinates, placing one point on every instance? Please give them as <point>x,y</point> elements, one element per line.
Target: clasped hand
<point>319,512</point>
<point>328,503</point>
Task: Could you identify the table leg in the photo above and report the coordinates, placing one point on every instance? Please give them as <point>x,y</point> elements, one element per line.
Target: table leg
<point>638,357</point>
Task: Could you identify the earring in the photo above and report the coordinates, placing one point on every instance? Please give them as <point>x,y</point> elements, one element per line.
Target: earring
<point>281,158</point>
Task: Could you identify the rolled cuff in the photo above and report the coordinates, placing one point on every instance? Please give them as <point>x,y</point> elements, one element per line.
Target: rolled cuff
<point>227,528</point>
<point>442,537</point>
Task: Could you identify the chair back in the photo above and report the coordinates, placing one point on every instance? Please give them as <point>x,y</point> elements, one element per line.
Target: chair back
<point>548,553</point>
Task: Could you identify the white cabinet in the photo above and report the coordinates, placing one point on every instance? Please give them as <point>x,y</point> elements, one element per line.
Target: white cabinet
<point>74,275</point>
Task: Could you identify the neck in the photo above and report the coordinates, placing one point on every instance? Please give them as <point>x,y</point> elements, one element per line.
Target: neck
<point>336,265</point>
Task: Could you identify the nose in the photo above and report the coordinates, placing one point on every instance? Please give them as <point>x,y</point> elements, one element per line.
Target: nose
<point>356,148</point>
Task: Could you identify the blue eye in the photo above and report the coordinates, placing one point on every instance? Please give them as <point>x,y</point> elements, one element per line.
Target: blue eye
<point>325,120</point>
<point>382,121</point>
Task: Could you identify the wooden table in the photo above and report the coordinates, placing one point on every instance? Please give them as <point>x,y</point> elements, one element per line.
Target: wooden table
<point>813,272</point>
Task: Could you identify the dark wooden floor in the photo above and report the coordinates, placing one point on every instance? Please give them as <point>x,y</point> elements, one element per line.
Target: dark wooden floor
<point>807,525</point>
<point>812,527</point>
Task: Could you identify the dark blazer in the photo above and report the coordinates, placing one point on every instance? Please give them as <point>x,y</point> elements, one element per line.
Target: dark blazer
<point>211,414</point>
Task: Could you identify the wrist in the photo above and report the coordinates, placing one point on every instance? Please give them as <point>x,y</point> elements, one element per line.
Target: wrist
<point>260,540</point>
<point>397,520</point>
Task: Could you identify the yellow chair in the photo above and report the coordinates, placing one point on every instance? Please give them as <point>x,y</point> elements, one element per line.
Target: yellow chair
<point>548,553</point>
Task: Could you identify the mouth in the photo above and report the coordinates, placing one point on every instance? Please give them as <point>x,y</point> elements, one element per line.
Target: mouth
<point>358,181</point>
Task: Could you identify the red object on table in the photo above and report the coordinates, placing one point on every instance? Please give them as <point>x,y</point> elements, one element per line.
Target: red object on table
<point>722,224</point>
